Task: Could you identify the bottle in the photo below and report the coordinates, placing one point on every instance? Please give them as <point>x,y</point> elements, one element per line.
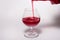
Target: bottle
<point>52,1</point>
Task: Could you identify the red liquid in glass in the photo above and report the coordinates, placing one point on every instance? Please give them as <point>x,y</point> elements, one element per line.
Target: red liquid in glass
<point>52,1</point>
<point>31,21</point>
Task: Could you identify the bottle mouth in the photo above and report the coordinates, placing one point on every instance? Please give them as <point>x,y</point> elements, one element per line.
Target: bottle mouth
<point>52,1</point>
<point>40,0</point>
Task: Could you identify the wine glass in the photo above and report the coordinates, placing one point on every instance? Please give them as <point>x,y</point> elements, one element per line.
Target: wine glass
<point>31,20</point>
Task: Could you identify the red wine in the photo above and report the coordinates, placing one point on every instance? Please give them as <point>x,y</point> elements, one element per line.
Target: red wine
<point>31,21</point>
<point>52,1</point>
<point>32,8</point>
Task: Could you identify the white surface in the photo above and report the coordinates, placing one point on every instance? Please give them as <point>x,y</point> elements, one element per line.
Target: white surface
<point>11,26</point>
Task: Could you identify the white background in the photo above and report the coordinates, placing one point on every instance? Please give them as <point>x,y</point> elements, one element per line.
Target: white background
<point>11,26</point>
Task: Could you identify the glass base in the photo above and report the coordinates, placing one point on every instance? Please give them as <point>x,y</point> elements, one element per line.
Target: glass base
<point>32,33</point>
